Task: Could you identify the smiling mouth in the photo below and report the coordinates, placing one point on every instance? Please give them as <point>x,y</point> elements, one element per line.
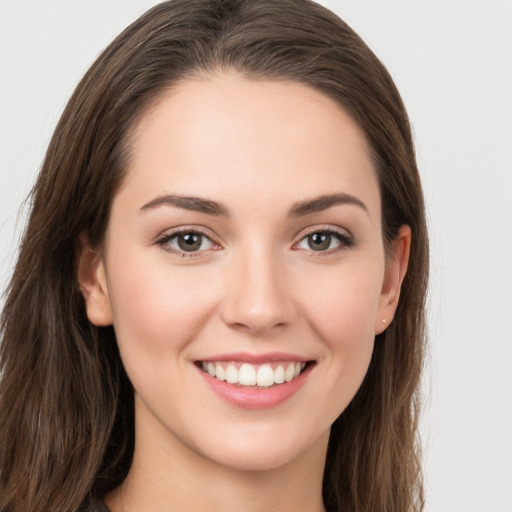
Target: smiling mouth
<point>254,375</point>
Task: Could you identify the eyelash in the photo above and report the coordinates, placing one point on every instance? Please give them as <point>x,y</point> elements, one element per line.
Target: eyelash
<point>165,239</point>
<point>346,241</point>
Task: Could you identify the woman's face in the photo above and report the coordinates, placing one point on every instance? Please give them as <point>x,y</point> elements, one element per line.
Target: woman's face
<point>244,247</point>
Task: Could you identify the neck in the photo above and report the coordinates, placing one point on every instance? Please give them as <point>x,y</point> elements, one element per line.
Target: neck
<point>168,476</point>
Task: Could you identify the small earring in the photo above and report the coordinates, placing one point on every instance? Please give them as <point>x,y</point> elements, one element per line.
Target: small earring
<point>383,320</point>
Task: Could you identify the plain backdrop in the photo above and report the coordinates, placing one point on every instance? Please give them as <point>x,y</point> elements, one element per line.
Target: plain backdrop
<point>452,61</point>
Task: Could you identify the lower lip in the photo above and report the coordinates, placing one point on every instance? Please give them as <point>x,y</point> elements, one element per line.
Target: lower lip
<point>254,398</point>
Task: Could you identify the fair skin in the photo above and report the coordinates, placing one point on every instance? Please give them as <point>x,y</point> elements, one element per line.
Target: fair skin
<point>267,275</point>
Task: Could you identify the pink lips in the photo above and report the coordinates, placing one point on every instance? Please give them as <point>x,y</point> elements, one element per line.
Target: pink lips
<point>244,357</point>
<point>252,397</point>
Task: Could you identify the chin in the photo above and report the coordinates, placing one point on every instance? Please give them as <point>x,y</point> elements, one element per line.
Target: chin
<point>256,460</point>
<point>252,453</point>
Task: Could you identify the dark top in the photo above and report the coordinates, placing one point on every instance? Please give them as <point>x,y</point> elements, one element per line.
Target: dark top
<point>97,505</point>
<point>93,505</point>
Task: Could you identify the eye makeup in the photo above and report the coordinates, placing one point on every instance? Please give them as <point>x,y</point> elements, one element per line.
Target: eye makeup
<point>186,242</point>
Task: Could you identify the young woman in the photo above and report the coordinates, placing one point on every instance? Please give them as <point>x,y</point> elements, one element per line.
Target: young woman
<point>219,299</point>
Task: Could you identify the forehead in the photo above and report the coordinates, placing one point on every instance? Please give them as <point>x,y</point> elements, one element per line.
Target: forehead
<point>227,134</point>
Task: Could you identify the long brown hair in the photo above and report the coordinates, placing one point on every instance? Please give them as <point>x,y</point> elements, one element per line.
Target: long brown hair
<point>67,416</point>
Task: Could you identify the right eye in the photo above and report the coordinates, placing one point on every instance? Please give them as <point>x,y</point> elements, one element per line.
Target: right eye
<point>186,243</point>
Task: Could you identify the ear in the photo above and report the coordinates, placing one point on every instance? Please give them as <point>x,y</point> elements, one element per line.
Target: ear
<point>93,283</point>
<point>396,268</point>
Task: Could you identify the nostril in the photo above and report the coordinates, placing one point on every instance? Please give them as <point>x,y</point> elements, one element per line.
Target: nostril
<point>258,300</point>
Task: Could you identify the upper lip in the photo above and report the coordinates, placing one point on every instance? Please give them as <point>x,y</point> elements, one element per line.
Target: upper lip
<point>246,357</point>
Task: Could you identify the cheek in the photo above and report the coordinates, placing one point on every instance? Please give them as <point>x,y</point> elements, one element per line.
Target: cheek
<point>342,305</point>
<point>156,307</point>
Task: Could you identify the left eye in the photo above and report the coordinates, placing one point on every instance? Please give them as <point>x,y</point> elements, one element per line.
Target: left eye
<point>322,241</point>
<point>189,241</point>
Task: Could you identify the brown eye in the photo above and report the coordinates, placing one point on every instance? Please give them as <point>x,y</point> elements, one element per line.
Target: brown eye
<point>320,241</point>
<point>186,243</point>
<point>189,242</point>
<point>325,241</point>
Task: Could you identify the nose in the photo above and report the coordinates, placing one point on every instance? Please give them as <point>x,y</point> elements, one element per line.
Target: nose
<point>257,295</point>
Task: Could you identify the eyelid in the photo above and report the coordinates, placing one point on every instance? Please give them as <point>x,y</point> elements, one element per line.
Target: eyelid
<point>345,237</point>
<point>163,239</point>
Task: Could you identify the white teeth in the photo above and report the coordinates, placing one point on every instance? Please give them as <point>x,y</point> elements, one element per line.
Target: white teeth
<point>265,376</point>
<point>247,374</point>
<point>220,373</point>
<point>279,375</point>
<point>231,374</point>
<point>289,372</point>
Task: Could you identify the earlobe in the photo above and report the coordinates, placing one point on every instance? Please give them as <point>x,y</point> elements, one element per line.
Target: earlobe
<point>396,269</point>
<point>92,281</point>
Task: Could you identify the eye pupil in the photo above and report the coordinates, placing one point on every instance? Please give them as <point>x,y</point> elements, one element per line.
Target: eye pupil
<point>189,242</point>
<point>319,241</point>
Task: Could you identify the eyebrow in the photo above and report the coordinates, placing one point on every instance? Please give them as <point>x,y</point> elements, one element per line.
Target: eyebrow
<point>210,207</point>
<point>196,204</point>
<point>324,202</point>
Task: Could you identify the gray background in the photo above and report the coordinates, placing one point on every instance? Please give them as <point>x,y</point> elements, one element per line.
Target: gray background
<point>452,61</point>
